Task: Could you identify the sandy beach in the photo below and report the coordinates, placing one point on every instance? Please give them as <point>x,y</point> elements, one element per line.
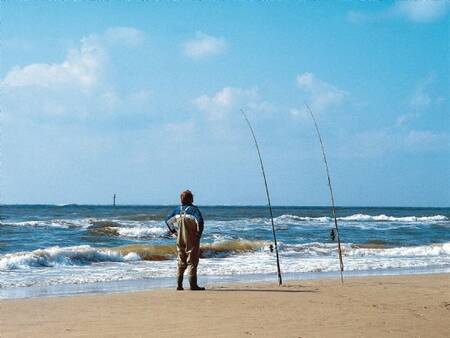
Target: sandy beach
<point>388,306</point>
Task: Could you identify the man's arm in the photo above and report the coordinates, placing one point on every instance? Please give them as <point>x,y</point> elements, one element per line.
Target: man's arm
<point>170,221</point>
<point>200,221</point>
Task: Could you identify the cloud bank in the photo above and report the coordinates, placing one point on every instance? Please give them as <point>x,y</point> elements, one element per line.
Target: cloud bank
<point>204,45</point>
<point>77,87</point>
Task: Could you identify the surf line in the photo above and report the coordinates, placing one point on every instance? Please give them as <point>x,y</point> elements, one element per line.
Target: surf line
<point>280,282</point>
<point>341,263</point>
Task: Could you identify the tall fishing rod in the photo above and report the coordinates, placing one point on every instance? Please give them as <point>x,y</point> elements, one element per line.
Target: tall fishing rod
<point>341,263</point>
<point>280,282</point>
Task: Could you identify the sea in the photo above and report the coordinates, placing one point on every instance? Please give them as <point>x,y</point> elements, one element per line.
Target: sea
<point>53,250</point>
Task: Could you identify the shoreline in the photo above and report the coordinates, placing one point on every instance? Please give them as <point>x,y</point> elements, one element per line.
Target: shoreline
<point>401,306</point>
<point>161,283</point>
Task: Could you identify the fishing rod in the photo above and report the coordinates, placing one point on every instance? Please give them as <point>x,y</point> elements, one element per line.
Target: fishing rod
<point>280,282</point>
<point>341,263</point>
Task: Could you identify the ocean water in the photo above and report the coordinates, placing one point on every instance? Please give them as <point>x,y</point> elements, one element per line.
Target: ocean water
<point>48,249</point>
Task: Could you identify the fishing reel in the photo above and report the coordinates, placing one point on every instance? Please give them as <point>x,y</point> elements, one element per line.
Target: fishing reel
<point>333,234</point>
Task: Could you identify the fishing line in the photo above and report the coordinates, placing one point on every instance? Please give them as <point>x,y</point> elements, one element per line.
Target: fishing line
<point>280,282</point>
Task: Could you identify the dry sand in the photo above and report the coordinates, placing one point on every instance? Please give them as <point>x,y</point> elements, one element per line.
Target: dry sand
<point>394,306</point>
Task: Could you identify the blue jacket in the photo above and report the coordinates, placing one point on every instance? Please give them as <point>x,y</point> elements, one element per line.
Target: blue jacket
<point>190,210</point>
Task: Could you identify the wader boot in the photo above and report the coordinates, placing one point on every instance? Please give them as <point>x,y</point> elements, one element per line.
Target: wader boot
<point>180,283</point>
<point>193,283</point>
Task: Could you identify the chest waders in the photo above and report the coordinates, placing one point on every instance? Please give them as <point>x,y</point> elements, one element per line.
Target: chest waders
<point>188,250</point>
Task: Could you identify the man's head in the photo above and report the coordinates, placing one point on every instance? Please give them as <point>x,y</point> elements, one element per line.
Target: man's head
<point>186,197</point>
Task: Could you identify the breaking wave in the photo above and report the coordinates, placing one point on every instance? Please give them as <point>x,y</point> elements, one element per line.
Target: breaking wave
<point>85,254</point>
<point>141,226</point>
<point>86,264</point>
<point>141,231</point>
<point>433,250</point>
<point>207,250</point>
<point>384,218</point>
<point>369,249</point>
<point>55,223</point>
<point>362,218</point>
<point>116,229</point>
<point>224,248</point>
<point>54,256</point>
<point>66,223</point>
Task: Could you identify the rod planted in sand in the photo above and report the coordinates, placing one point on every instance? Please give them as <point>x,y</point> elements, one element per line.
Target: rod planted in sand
<point>280,282</point>
<point>341,263</point>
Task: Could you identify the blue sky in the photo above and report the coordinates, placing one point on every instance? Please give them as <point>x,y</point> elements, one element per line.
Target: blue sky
<point>142,99</point>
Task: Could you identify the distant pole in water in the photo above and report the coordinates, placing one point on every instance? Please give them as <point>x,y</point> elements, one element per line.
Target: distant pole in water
<point>331,192</point>
<point>280,282</point>
<point>114,200</point>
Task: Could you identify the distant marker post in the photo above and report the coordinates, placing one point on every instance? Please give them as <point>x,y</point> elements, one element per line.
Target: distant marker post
<point>280,281</point>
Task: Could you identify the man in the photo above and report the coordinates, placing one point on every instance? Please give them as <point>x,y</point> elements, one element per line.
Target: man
<point>190,227</point>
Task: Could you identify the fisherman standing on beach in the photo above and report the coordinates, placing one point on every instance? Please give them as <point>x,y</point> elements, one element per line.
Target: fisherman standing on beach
<point>189,220</point>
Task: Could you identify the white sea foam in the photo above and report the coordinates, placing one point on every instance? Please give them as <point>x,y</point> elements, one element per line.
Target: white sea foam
<point>141,231</point>
<point>84,223</point>
<point>433,250</point>
<point>293,219</point>
<point>152,227</point>
<point>85,264</point>
<point>56,256</point>
<point>54,223</point>
<point>385,218</point>
<point>85,254</point>
<point>355,250</point>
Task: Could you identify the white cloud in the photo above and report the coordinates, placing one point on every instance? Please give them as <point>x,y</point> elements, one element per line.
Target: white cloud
<point>230,100</point>
<point>320,94</point>
<point>220,112</point>
<point>421,10</point>
<point>77,87</point>
<point>82,68</point>
<point>204,45</point>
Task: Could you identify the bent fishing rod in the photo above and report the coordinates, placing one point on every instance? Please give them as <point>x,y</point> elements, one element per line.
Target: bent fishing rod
<point>280,282</point>
<point>341,263</point>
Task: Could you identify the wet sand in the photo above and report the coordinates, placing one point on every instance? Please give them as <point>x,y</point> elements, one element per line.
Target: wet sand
<point>390,306</point>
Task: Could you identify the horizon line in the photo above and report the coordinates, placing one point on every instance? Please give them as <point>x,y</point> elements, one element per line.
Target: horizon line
<point>218,205</point>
